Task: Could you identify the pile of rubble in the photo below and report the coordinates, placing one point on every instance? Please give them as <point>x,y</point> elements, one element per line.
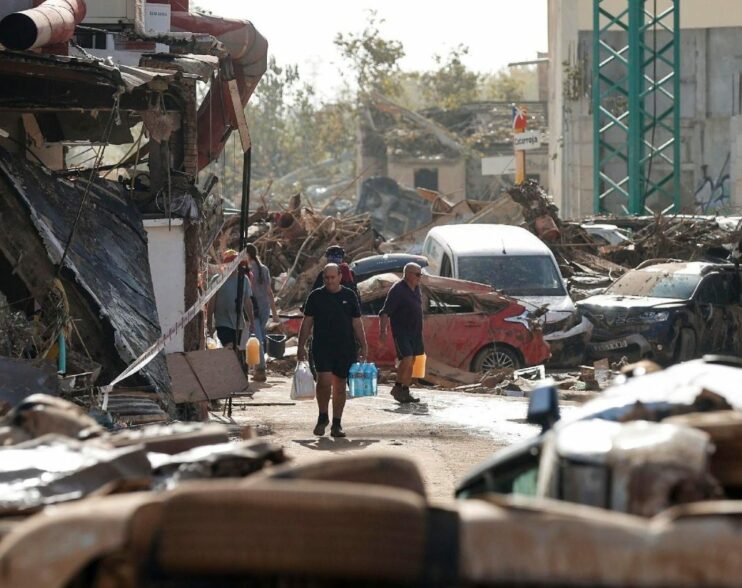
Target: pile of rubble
<point>52,451</point>
<point>590,266</point>
<point>292,243</point>
<point>680,237</point>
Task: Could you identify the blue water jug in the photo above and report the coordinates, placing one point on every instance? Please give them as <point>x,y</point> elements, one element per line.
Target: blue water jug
<point>355,380</point>
<point>372,377</point>
<point>366,379</point>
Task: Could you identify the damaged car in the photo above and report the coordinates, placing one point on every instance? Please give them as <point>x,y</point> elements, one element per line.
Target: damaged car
<point>466,325</point>
<point>518,264</point>
<point>668,312</point>
<point>650,442</point>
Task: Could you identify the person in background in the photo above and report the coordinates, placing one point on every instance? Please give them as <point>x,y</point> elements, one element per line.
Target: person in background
<point>403,306</point>
<point>332,315</point>
<point>336,254</point>
<point>222,309</point>
<point>260,281</point>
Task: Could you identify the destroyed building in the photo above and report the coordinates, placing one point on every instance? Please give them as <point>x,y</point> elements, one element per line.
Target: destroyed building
<point>110,116</point>
<point>463,153</point>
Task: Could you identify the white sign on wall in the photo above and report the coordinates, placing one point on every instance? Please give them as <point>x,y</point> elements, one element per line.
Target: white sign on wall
<point>157,18</point>
<point>527,140</point>
<point>498,166</point>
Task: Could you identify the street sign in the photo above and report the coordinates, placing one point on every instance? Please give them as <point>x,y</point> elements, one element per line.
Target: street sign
<point>527,140</point>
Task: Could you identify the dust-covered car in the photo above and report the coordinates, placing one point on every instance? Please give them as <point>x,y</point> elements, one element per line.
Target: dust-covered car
<point>648,443</point>
<point>667,312</point>
<point>466,325</point>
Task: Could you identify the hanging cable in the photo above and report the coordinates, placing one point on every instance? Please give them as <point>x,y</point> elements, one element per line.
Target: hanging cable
<point>83,201</point>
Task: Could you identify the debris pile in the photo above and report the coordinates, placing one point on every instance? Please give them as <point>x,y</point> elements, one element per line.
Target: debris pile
<point>590,266</point>
<point>679,237</point>
<point>292,244</point>
<point>51,451</point>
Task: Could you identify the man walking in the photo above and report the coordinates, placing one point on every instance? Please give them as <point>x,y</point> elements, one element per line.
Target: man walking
<point>333,316</point>
<point>403,305</point>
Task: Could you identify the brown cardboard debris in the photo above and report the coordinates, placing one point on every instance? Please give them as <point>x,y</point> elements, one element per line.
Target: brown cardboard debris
<point>207,374</point>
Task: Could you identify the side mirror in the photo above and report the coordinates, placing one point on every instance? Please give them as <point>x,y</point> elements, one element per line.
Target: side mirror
<point>543,407</point>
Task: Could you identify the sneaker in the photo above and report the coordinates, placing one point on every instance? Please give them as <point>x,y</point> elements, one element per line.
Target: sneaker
<point>337,431</point>
<point>319,428</point>
<point>398,393</point>
<point>408,396</point>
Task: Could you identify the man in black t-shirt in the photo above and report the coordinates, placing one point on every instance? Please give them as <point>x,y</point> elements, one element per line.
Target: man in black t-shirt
<point>332,316</point>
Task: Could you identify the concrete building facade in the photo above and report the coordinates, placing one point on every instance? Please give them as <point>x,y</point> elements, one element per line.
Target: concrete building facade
<point>710,105</point>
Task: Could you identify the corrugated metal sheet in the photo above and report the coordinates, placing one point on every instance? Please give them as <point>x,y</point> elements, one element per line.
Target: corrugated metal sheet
<point>108,256</point>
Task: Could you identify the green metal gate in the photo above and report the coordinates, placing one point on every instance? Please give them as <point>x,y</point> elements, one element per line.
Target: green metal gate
<point>636,106</point>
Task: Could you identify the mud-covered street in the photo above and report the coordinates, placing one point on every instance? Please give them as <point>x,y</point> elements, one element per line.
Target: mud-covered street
<point>447,433</point>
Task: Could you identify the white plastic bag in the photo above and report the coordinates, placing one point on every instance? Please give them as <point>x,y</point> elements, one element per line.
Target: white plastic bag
<point>302,386</point>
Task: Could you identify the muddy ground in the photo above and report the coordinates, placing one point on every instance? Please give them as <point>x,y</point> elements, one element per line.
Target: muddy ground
<point>447,433</point>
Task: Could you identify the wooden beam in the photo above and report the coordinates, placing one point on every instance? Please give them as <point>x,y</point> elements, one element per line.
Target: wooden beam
<point>239,114</point>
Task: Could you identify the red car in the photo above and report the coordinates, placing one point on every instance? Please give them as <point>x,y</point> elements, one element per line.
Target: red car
<point>466,325</point>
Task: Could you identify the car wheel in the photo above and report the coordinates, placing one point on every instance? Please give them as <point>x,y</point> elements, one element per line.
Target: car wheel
<point>685,348</point>
<point>495,357</point>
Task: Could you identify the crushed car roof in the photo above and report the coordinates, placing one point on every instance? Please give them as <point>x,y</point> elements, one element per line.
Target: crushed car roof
<point>482,296</point>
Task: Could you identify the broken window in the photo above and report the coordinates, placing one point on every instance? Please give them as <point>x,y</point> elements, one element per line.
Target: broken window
<point>91,39</point>
<point>427,178</point>
<point>718,289</point>
<point>373,306</point>
<point>445,303</point>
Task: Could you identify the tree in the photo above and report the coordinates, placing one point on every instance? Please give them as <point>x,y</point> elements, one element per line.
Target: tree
<point>373,60</point>
<point>452,84</point>
<point>510,85</point>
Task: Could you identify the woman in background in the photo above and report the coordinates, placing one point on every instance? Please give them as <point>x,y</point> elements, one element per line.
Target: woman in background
<point>260,280</point>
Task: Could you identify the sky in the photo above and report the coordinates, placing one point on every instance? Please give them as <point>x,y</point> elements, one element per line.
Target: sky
<point>496,31</point>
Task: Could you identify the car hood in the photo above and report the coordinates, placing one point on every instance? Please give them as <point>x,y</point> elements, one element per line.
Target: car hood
<point>560,307</point>
<point>626,302</point>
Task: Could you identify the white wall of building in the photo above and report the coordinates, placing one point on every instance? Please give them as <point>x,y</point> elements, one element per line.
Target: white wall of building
<point>451,175</point>
<point>167,264</point>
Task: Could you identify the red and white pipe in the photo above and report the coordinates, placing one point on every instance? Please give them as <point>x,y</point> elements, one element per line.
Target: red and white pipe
<point>50,23</point>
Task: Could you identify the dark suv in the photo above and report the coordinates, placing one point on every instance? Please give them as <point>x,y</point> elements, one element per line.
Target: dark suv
<point>668,312</point>
<point>380,264</point>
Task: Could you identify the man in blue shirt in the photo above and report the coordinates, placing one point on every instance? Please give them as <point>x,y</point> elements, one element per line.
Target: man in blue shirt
<point>223,307</point>
<point>403,305</point>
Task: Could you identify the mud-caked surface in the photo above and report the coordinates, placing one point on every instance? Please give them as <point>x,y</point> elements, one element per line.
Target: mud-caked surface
<point>447,433</point>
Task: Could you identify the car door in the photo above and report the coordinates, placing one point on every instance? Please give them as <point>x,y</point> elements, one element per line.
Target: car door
<point>712,300</point>
<point>381,352</point>
<point>452,330</point>
<point>732,313</point>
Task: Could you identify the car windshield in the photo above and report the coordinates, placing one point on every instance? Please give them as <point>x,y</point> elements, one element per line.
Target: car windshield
<point>656,284</point>
<point>516,275</point>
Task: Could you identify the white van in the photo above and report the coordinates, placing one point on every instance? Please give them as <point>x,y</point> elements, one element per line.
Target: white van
<point>516,262</point>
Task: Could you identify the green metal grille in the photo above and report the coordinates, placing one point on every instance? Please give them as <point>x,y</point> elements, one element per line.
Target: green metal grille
<point>636,106</point>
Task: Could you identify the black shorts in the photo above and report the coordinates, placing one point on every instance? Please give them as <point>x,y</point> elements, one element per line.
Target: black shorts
<point>332,361</point>
<point>226,335</point>
<point>408,344</point>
